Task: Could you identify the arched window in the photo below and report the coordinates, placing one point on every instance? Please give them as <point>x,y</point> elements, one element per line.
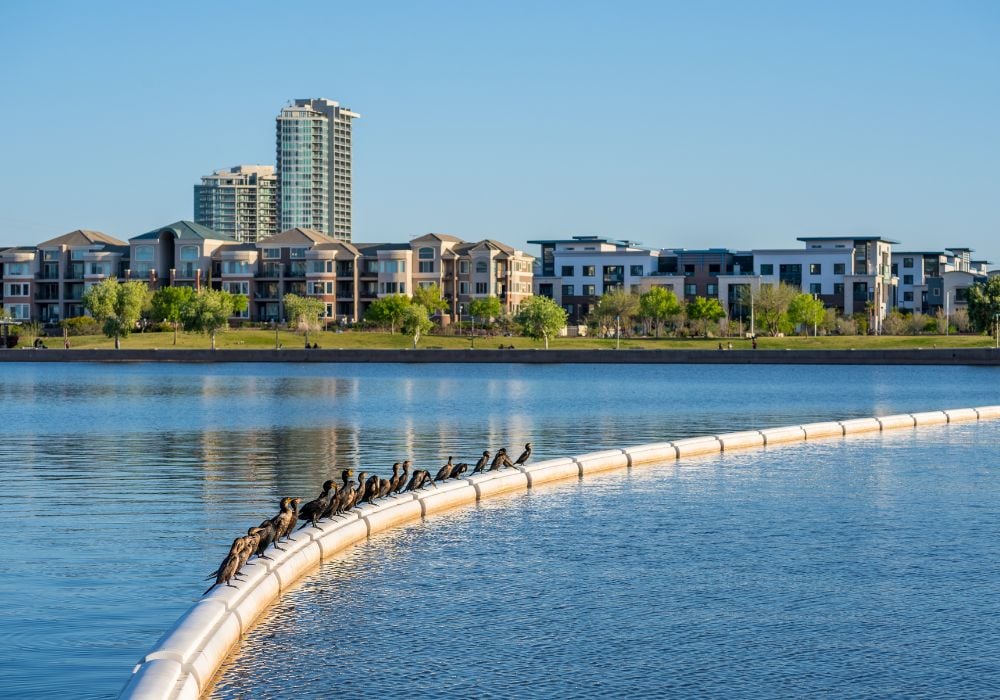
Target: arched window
<point>482,266</point>
<point>426,253</point>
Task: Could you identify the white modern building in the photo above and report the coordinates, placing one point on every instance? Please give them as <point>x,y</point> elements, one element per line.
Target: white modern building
<point>936,280</point>
<point>314,167</point>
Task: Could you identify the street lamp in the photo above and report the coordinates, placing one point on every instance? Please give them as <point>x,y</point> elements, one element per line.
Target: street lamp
<point>274,322</point>
<point>947,322</point>
<point>618,332</point>
<point>996,327</point>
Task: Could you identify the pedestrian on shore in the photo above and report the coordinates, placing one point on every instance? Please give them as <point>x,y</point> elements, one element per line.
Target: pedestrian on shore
<point>753,342</point>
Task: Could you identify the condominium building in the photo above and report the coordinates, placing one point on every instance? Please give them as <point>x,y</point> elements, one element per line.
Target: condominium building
<point>175,255</point>
<point>314,167</point>
<point>240,202</point>
<point>937,280</point>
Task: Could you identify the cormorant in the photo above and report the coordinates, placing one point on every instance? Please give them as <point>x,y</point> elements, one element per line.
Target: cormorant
<point>394,479</point>
<point>371,489</point>
<point>459,469</point>
<point>384,487</point>
<point>284,521</point>
<point>314,509</point>
<point>498,460</point>
<point>483,461</point>
<point>523,459</point>
<point>401,484</point>
<point>357,493</point>
<point>266,538</point>
<point>227,570</point>
<point>445,471</point>
<point>421,477</point>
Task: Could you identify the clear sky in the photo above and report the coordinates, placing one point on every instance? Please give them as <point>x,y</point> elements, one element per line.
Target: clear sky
<point>730,124</point>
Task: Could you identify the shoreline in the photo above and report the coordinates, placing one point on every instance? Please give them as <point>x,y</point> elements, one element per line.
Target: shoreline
<point>930,356</point>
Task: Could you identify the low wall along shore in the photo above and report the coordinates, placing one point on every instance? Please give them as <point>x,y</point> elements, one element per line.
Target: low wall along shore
<point>916,356</point>
<point>185,661</point>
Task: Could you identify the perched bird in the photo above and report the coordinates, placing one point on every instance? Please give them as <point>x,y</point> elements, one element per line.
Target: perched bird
<point>394,479</point>
<point>445,471</point>
<point>371,489</point>
<point>284,521</point>
<point>252,540</point>
<point>384,487</point>
<point>459,469</point>
<point>229,567</point>
<point>358,492</point>
<point>403,477</point>
<point>483,461</point>
<point>315,508</point>
<point>266,536</point>
<point>234,552</point>
<point>421,477</point>
<point>498,460</point>
<point>343,500</point>
<point>523,459</point>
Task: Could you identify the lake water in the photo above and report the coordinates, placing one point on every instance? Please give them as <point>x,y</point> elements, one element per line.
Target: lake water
<point>123,486</point>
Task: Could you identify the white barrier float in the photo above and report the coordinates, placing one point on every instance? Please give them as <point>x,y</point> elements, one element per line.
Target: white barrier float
<point>186,659</point>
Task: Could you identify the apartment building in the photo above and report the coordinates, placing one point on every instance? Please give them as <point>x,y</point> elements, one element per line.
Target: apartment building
<point>314,167</point>
<point>175,255</point>
<point>240,202</point>
<point>930,281</point>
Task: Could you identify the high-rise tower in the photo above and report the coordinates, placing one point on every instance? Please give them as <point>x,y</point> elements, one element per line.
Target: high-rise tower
<point>314,167</point>
<point>241,202</point>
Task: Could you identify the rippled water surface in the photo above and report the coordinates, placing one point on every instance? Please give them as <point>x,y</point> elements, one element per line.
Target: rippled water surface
<point>122,486</point>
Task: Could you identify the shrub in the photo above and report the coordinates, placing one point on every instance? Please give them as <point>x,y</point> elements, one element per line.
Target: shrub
<point>81,325</point>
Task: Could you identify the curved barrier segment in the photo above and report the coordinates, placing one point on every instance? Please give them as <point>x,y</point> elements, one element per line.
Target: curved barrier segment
<point>186,659</point>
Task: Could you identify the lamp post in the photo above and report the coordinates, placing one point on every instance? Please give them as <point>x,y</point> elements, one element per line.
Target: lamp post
<point>274,322</point>
<point>947,313</point>
<point>461,310</point>
<point>996,327</point>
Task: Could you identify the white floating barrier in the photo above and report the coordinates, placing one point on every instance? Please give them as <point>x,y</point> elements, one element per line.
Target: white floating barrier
<point>382,518</point>
<point>902,420</point>
<point>792,433</point>
<point>860,425</point>
<point>551,470</point>
<point>491,483</point>
<point>448,494</point>
<point>959,415</point>
<point>183,663</point>
<point>746,439</point>
<point>930,418</point>
<point>652,452</point>
<point>605,460</point>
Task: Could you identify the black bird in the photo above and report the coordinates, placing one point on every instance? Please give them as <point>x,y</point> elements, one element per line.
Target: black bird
<point>523,459</point>
<point>234,551</point>
<point>343,500</point>
<point>267,532</point>
<point>445,471</point>
<point>371,489</point>
<point>421,477</point>
<point>459,469</point>
<point>384,487</point>
<point>231,565</point>
<point>314,509</point>
<point>394,479</point>
<point>284,521</point>
<point>483,461</point>
<point>498,460</point>
<point>358,492</point>
<point>403,477</point>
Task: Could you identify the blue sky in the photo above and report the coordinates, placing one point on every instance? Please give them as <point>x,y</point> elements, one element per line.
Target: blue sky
<point>674,124</point>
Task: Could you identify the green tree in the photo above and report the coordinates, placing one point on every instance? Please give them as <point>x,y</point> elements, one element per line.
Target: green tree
<point>116,305</point>
<point>485,308</point>
<point>388,311</point>
<point>416,322</point>
<point>304,313</point>
<point>702,310</point>
<point>771,305</point>
<point>431,298</point>
<point>984,304</point>
<point>540,318</point>
<point>616,307</point>
<point>657,306</point>
<point>807,310</point>
<point>168,305</point>
<point>210,310</point>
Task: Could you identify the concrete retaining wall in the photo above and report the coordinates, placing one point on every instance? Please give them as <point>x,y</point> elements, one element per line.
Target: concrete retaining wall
<point>186,659</point>
<point>929,356</point>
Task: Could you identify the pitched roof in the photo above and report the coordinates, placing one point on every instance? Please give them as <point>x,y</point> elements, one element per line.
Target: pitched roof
<point>185,231</point>
<point>297,236</point>
<point>81,237</point>
<point>438,236</point>
<point>339,245</point>
<point>486,243</point>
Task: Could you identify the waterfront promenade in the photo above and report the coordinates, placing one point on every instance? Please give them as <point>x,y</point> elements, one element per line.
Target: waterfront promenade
<point>925,356</point>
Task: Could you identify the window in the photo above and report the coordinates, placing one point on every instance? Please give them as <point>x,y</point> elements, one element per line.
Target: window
<point>636,270</point>
<point>838,288</point>
<point>937,292</point>
<point>189,252</point>
<point>588,271</point>
<point>907,262</point>
<point>567,290</point>
<point>712,290</point>
<point>329,310</point>
<point>103,269</point>
<point>237,288</point>
<point>907,296</point>
<point>296,253</point>
<point>144,253</point>
<point>567,271</point>
<point>463,288</point>
<point>425,266</point>
<point>272,253</point>
<point>426,254</point>
<point>77,254</point>
<point>815,288</point>
<point>18,290</point>
<point>589,290</point>
<point>895,268</point>
<point>713,269</point>
<point>393,266</point>
<point>907,279</point>
<point>690,290</point>
<point>19,312</point>
<point>236,267</point>
<point>839,268</point>
<point>482,267</point>
<point>767,268</point>
<point>463,267</point>
<point>689,270</point>
<point>815,269</point>
<point>482,288</point>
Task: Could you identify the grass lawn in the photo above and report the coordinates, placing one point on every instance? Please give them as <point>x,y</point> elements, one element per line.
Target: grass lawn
<point>263,339</point>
